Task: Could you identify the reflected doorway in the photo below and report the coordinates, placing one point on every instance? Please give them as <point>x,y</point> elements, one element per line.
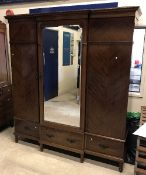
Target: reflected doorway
<point>62,74</point>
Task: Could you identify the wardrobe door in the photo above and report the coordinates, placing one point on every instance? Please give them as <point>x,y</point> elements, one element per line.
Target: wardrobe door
<point>107,89</point>
<point>108,72</point>
<point>25,81</point>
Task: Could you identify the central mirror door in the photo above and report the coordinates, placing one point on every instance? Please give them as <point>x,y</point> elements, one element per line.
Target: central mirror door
<point>62,74</point>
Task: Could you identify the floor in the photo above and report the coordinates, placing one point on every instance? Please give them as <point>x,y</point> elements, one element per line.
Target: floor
<point>63,109</point>
<point>25,159</point>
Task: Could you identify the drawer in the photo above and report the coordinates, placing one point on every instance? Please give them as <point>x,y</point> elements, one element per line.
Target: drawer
<point>1,103</point>
<point>27,128</point>
<point>3,120</point>
<point>5,117</point>
<point>8,114</point>
<point>59,137</point>
<point>7,101</point>
<point>1,92</point>
<point>104,146</point>
<point>7,90</point>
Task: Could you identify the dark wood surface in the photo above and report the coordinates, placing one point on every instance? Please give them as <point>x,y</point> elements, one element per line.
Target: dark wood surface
<point>112,29</point>
<point>99,13</point>
<point>64,138</point>
<point>106,57</point>
<point>104,146</point>
<point>25,82</point>
<point>6,110</point>
<point>27,128</point>
<point>22,31</point>
<point>107,89</point>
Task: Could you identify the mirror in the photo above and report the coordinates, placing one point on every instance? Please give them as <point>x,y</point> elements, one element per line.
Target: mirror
<point>62,74</point>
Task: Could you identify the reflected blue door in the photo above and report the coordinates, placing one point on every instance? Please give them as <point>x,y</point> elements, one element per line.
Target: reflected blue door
<point>50,48</point>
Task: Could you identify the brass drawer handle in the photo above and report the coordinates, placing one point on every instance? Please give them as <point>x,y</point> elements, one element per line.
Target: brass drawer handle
<point>103,146</point>
<point>71,140</point>
<point>50,135</point>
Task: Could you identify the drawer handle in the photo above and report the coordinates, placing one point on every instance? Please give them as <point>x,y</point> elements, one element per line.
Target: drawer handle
<point>103,146</point>
<point>70,140</point>
<point>8,99</point>
<point>50,135</point>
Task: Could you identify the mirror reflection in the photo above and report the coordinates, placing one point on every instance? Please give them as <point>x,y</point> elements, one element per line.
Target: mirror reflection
<point>62,74</point>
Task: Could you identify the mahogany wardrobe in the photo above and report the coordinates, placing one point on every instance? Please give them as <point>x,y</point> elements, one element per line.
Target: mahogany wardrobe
<point>105,37</point>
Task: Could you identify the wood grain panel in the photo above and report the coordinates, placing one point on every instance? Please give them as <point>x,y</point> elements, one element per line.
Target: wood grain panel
<point>111,29</point>
<point>6,103</point>
<point>25,81</point>
<point>22,31</point>
<point>27,128</point>
<point>105,146</point>
<point>107,89</point>
<point>64,138</point>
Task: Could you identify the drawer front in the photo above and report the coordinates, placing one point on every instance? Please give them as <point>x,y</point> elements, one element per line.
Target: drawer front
<point>105,146</point>
<point>8,115</point>
<point>1,103</point>
<point>27,128</point>
<point>5,93</point>
<point>1,92</point>
<point>68,139</point>
<point>3,120</point>
<point>7,90</point>
<point>7,101</point>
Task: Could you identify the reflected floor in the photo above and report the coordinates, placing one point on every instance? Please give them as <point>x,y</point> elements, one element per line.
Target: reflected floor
<point>63,109</point>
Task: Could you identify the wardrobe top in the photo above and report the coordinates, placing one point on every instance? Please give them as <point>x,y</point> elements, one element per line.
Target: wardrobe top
<point>99,13</point>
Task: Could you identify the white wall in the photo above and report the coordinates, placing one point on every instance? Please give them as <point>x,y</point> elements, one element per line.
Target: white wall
<point>67,75</point>
<point>134,103</point>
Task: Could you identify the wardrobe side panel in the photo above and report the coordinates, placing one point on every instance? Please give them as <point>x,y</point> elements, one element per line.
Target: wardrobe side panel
<point>24,70</point>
